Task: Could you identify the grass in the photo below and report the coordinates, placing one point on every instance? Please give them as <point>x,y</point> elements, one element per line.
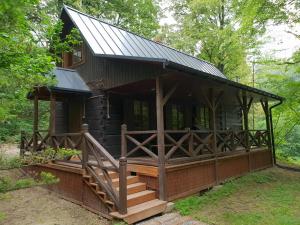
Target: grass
<point>7,184</point>
<point>269,197</point>
<point>2,216</point>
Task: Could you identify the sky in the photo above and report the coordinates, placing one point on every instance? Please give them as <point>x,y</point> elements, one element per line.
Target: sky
<point>279,43</point>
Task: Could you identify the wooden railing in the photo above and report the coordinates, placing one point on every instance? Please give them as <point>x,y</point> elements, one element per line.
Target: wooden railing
<point>229,140</point>
<point>192,144</point>
<point>95,159</point>
<point>188,143</point>
<point>259,138</point>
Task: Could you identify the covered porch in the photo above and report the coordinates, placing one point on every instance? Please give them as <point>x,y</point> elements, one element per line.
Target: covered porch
<point>186,123</point>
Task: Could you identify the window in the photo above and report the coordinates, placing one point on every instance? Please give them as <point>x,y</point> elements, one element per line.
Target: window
<point>73,58</point>
<point>177,117</point>
<point>77,55</point>
<point>141,115</point>
<point>201,117</point>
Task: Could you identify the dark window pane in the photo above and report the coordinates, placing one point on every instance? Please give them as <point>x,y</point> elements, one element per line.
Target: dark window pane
<point>141,115</point>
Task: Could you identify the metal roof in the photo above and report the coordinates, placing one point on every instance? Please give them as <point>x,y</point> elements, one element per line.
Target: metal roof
<point>107,40</point>
<point>69,80</point>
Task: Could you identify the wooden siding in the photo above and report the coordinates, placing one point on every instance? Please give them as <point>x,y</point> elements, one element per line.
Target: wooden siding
<point>71,186</point>
<point>113,72</point>
<point>190,178</point>
<point>61,115</point>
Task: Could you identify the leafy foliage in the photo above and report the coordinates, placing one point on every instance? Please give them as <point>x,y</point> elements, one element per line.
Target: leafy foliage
<point>34,158</point>
<point>283,79</point>
<point>223,32</point>
<point>137,16</point>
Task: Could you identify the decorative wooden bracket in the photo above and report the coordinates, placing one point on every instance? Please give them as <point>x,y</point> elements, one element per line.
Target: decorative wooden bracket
<point>214,100</point>
<point>169,94</point>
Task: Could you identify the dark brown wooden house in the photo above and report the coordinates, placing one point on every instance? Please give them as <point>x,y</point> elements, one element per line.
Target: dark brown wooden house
<point>153,124</point>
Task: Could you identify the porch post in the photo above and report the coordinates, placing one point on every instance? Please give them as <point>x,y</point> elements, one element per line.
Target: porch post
<point>160,139</point>
<point>246,108</point>
<point>35,120</point>
<point>213,123</point>
<point>52,114</point>
<point>265,106</point>
<point>214,129</point>
<point>245,105</point>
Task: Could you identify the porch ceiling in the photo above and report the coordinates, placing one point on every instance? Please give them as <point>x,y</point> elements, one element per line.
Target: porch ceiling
<point>189,88</point>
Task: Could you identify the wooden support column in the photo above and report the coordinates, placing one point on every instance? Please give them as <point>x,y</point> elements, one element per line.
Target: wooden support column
<point>52,114</point>
<point>213,102</point>
<point>160,138</point>
<point>265,106</point>
<point>245,105</point>
<point>35,120</point>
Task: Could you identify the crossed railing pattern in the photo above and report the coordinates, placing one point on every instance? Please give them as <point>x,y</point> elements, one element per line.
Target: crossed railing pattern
<point>192,143</point>
<point>258,138</point>
<point>95,159</point>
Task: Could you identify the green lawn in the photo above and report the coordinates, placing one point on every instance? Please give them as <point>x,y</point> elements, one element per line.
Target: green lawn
<point>269,197</point>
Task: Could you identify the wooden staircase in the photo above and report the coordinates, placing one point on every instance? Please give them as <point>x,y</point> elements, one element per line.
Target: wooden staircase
<point>141,203</point>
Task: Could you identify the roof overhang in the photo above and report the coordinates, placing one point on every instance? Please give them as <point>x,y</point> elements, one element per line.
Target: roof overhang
<point>181,68</point>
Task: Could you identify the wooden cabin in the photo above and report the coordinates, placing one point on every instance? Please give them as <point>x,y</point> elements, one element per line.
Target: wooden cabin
<point>153,124</point>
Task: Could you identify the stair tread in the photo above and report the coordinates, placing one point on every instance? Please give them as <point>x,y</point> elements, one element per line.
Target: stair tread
<point>138,194</point>
<point>134,185</point>
<point>139,208</point>
<point>128,177</point>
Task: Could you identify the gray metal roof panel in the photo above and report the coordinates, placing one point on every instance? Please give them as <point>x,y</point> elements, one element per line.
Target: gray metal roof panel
<point>108,40</point>
<point>69,80</point>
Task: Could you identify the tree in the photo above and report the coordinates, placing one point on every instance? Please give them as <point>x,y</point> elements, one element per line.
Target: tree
<point>283,79</point>
<point>224,31</point>
<point>139,16</point>
<point>23,64</point>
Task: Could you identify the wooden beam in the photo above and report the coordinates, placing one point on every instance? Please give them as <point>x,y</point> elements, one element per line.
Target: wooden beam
<point>169,94</point>
<point>52,114</point>
<point>160,139</point>
<point>265,106</point>
<point>245,108</point>
<point>35,120</point>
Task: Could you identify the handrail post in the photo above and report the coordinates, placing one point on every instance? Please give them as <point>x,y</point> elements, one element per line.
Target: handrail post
<point>84,129</point>
<point>123,185</point>
<point>123,172</point>
<point>123,140</point>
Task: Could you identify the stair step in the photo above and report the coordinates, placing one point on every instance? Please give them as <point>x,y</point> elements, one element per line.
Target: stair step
<point>130,180</point>
<point>112,174</point>
<point>109,203</point>
<point>135,187</point>
<point>88,178</point>
<point>141,211</point>
<point>103,194</point>
<point>140,197</point>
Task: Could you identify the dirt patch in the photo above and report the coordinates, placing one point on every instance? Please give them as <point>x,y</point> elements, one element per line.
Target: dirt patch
<point>38,206</point>
<point>10,149</point>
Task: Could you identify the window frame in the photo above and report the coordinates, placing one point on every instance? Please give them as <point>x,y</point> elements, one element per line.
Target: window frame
<point>69,56</point>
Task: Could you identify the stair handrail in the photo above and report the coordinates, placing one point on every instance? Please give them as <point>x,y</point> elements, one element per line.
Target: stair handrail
<point>99,152</point>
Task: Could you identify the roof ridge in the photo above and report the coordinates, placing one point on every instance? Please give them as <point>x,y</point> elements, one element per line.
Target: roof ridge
<point>162,44</point>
